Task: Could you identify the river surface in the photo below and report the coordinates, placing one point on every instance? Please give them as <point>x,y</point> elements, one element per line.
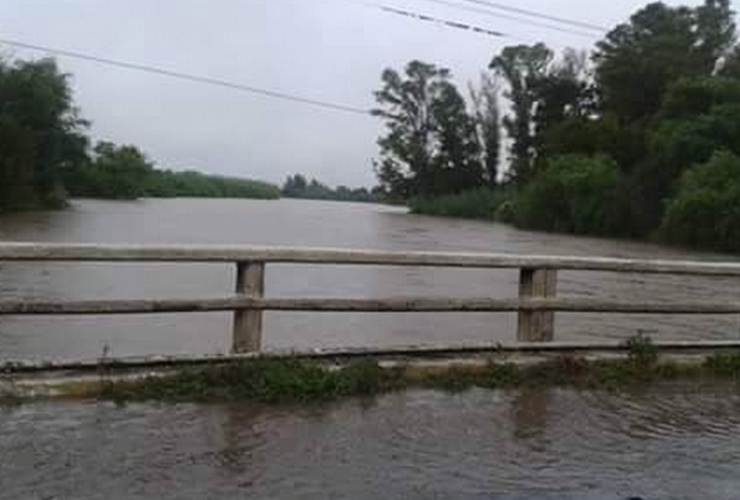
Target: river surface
<point>323,224</point>
<point>660,442</point>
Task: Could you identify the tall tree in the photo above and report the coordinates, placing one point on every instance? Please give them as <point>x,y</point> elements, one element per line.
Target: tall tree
<point>638,60</point>
<point>43,132</point>
<point>457,164</point>
<point>430,145</point>
<point>564,93</point>
<point>407,148</point>
<point>521,66</point>
<point>488,125</point>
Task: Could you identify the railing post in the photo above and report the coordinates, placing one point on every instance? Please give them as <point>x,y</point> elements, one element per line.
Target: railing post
<point>536,326</point>
<point>250,281</point>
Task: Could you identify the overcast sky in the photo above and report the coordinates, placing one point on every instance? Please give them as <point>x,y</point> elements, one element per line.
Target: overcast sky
<point>332,50</point>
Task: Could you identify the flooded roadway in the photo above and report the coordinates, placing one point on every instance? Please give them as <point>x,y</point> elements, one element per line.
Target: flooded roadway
<point>664,442</point>
<point>661,443</point>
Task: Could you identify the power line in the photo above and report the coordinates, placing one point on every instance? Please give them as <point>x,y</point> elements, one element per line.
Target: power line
<point>539,15</point>
<point>424,17</point>
<point>190,77</point>
<point>444,22</point>
<point>479,10</point>
<point>519,19</point>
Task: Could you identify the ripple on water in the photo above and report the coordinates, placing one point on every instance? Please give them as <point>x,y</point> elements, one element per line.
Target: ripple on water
<point>668,441</point>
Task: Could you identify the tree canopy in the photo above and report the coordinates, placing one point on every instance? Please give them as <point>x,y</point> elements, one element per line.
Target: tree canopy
<point>41,134</point>
<point>624,142</point>
<point>297,186</point>
<point>45,153</point>
<point>431,145</point>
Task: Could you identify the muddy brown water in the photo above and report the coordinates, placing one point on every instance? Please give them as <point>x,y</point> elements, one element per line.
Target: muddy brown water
<point>323,224</point>
<point>659,443</point>
<point>662,442</point>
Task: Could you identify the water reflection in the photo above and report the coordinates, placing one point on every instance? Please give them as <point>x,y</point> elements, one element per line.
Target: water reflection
<point>239,437</point>
<point>529,409</point>
<point>662,442</point>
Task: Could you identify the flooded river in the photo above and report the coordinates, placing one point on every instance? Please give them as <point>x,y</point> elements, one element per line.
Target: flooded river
<point>327,224</point>
<point>661,442</point>
<point>658,443</point>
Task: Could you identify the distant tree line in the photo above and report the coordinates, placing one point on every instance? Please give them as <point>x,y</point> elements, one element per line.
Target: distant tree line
<point>46,154</point>
<point>124,172</point>
<point>639,138</point>
<point>297,186</point>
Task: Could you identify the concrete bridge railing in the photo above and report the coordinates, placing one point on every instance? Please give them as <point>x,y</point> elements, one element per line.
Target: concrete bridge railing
<point>536,304</point>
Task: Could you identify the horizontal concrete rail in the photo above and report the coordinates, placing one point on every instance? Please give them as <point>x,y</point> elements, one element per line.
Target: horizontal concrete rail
<point>396,305</point>
<point>536,303</point>
<point>184,253</point>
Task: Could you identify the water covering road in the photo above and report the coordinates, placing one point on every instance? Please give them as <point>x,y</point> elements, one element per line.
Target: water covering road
<point>661,443</point>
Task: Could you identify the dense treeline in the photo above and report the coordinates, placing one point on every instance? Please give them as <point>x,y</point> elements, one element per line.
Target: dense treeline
<point>41,134</point>
<point>124,172</point>
<point>46,155</point>
<point>639,138</point>
<point>297,186</point>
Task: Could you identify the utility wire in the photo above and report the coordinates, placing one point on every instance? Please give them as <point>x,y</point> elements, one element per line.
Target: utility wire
<point>190,77</point>
<point>539,15</point>
<point>518,19</point>
<point>315,102</point>
<point>424,17</point>
<point>444,22</point>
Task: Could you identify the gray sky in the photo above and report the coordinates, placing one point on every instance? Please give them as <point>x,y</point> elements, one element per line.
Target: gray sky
<point>331,50</point>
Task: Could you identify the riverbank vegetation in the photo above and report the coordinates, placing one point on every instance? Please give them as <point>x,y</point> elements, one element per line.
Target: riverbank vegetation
<point>638,138</point>
<point>124,172</point>
<point>46,154</point>
<point>298,186</point>
<point>301,381</point>
<point>481,203</point>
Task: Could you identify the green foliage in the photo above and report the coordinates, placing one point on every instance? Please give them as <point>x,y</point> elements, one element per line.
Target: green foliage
<point>265,381</point>
<point>296,186</point>
<point>481,203</point>
<point>116,172</point>
<point>191,184</point>
<point>124,172</point>
<point>706,209</point>
<point>724,365</point>
<point>488,126</point>
<point>575,194</point>
<point>40,134</point>
<point>297,381</point>
<point>687,97</point>
<point>431,145</point>
<point>456,166</point>
<point>730,66</point>
<point>698,117</point>
<point>642,351</point>
<point>44,152</point>
<point>640,59</point>
<point>521,66</point>
<point>600,149</point>
<point>627,145</point>
<point>564,93</point>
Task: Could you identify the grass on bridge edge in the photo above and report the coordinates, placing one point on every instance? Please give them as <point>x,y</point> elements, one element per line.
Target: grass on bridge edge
<point>304,381</point>
<point>300,381</point>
